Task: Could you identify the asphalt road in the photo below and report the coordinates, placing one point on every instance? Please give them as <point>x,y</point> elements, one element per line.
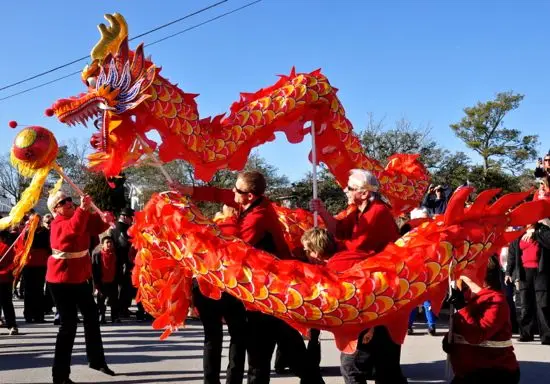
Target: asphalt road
<point>136,354</point>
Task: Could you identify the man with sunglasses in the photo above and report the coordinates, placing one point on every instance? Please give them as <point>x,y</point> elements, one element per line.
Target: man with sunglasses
<point>259,226</point>
<point>366,226</point>
<point>68,273</point>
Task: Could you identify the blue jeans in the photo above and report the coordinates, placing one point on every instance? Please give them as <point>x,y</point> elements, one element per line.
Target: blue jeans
<point>430,317</point>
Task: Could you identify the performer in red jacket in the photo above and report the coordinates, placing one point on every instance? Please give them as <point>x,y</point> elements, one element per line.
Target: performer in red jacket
<point>34,275</point>
<point>6,282</point>
<point>258,225</point>
<point>68,273</point>
<point>366,229</point>
<point>481,350</point>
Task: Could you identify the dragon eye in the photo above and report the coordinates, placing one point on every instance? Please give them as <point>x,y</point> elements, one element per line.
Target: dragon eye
<point>91,81</point>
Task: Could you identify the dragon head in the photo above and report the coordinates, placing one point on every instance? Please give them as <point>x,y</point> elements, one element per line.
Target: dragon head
<point>117,82</point>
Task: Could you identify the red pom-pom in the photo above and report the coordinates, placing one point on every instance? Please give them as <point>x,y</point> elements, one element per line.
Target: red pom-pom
<point>12,124</point>
<point>49,112</point>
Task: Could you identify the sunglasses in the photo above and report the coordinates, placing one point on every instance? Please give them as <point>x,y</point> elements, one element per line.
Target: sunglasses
<point>64,201</point>
<point>240,192</point>
<point>352,189</point>
<point>547,160</point>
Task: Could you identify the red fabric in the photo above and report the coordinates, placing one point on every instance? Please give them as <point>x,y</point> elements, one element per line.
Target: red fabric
<point>228,226</point>
<point>529,254</point>
<point>368,231</point>
<point>38,257</point>
<point>344,260</point>
<point>73,235</point>
<point>254,224</point>
<point>485,317</point>
<point>6,265</point>
<point>108,266</point>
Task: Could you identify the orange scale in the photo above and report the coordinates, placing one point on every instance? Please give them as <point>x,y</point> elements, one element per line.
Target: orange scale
<point>383,304</point>
<point>346,312</point>
<point>328,303</point>
<point>297,317</point>
<point>293,299</point>
<point>275,304</point>
<point>243,294</point>
<point>331,321</point>
<point>433,270</point>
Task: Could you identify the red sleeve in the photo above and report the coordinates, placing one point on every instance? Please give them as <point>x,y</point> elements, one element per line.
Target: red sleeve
<point>218,195</point>
<point>78,223</point>
<point>477,323</point>
<point>96,225</point>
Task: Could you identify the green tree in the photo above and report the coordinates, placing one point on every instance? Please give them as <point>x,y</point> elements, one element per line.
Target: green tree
<point>380,143</point>
<point>483,130</point>
<point>327,188</point>
<point>453,170</point>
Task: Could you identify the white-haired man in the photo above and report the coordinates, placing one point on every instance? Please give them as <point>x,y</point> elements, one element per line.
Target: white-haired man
<point>368,227</point>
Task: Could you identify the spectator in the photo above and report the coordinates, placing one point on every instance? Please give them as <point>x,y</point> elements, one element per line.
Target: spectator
<point>529,266</point>
<point>104,264</point>
<point>435,201</point>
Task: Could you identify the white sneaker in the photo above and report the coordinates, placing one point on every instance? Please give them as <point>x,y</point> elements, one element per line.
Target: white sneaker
<point>14,331</point>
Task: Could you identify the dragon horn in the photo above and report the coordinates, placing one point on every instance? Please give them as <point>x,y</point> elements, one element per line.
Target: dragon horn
<point>111,37</point>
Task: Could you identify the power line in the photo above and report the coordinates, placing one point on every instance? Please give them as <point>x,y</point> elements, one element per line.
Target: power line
<point>203,23</point>
<point>146,45</point>
<point>135,37</point>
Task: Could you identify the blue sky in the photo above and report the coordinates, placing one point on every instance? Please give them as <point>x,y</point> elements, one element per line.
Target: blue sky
<point>421,60</point>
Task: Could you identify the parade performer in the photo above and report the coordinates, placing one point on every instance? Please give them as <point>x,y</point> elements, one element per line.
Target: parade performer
<point>34,275</point>
<point>259,226</point>
<point>481,349</point>
<point>368,229</point>
<point>69,269</point>
<point>6,282</point>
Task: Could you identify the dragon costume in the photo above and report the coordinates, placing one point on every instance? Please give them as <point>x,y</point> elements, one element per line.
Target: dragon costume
<point>176,242</point>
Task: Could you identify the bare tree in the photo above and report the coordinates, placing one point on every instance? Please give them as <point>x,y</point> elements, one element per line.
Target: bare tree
<point>12,184</point>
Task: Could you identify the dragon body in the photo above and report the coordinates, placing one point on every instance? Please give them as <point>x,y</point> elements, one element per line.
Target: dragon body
<point>181,243</point>
<point>127,91</point>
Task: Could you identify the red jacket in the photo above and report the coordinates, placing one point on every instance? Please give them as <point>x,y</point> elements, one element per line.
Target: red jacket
<point>486,317</point>
<point>258,225</point>
<point>6,265</point>
<point>370,230</point>
<point>72,235</point>
<point>40,250</point>
<point>104,267</point>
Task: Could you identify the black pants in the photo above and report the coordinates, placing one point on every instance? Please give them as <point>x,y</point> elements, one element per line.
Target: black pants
<point>108,291</point>
<point>378,359</point>
<point>264,332</point>
<point>211,313</point>
<point>127,290</point>
<point>489,376</point>
<point>68,298</point>
<point>6,304</point>
<point>35,278</point>
<point>534,307</point>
